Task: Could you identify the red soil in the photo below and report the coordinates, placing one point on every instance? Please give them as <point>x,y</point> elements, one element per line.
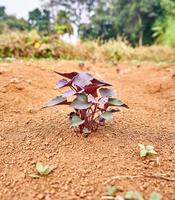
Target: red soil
<point>83,165</point>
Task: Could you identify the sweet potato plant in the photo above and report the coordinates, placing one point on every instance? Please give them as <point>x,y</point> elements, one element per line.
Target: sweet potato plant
<point>93,102</point>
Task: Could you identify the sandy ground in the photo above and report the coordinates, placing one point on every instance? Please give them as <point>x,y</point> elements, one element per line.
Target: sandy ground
<point>85,166</point>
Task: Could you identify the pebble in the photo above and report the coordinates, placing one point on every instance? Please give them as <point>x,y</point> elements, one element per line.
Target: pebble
<point>14,80</point>
<point>29,81</point>
<point>40,196</point>
<point>2,138</point>
<point>28,142</point>
<point>47,197</point>
<point>3,90</point>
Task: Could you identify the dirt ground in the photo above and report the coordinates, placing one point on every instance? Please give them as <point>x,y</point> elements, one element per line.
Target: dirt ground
<point>85,166</point>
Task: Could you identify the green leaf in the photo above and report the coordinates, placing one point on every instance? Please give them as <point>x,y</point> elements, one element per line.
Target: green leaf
<point>106,115</point>
<point>40,168</point>
<point>143,153</point>
<point>106,92</point>
<point>141,146</point>
<point>129,195</point>
<point>81,102</point>
<point>48,169</point>
<point>76,121</point>
<point>149,147</point>
<point>34,175</point>
<point>43,170</point>
<point>155,196</point>
<point>56,101</point>
<point>111,190</point>
<point>152,152</point>
<point>138,196</point>
<point>86,131</point>
<point>115,102</point>
<point>133,195</point>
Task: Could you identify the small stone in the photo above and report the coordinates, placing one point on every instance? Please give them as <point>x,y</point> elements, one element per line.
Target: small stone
<point>29,81</point>
<point>47,197</point>
<point>52,191</point>
<point>60,140</point>
<point>40,196</point>
<point>3,90</point>
<point>14,80</point>
<point>83,194</point>
<point>28,142</point>
<point>46,144</point>
<point>2,138</point>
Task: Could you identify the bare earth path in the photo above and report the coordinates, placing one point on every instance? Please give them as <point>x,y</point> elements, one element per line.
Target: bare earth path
<point>28,134</point>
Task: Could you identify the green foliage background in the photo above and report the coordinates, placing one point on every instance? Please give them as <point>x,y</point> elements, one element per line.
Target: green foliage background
<point>140,22</point>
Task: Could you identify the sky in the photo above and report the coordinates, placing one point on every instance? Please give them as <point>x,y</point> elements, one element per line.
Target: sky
<point>20,8</point>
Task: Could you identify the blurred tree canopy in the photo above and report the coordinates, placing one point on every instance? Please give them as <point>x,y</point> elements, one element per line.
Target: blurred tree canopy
<point>40,20</point>
<point>139,21</point>
<point>164,28</point>
<point>132,19</point>
<point>10,22</point>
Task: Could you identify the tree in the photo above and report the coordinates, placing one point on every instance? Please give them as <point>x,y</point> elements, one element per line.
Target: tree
<point>164,26</point>
<point>76,10</point>
<point>11,22</point>
<point>132,19</point>
<point>40,19</point>
<point>2,12</point>
<point>62,23</point>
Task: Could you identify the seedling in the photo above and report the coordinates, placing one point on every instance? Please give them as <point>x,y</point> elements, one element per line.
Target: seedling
<point>92,101</point>
<point>155,196</point>
<point>42,170</point>
<point>81,64</point>
<point>111,191</point>
<point>113,194</point>
<point>146,150</point>
<point>133,195</point>
<point>29,110</point>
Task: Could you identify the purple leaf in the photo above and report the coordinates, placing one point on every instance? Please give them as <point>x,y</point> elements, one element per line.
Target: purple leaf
<point>91,99</point>
<point>81,102</point>
<point>82,79</point>
<point>69,93</point>
<point>55,101</point>
<point>103,100</point>
<point>102,83</point>
<point>92,89</point>
<point>105,92</point>
<point>114,110</point>
<point>67,75</point>
<point>62,83</point>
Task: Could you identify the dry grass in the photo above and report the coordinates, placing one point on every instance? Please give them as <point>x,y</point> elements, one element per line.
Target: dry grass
<point>31,44</point>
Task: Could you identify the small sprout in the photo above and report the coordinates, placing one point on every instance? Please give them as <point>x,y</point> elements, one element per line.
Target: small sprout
<point>29,110</point>
<point>155,196</point>
<point>92,101</point>
<point>86,132</point>
<point>146,150</point>
<point>42,170</point>
<point>111,191</point>
<point>81,64</point>
<point>133,195</point>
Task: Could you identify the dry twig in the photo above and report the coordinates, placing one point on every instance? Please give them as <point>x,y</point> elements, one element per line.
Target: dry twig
<point>156,176</point>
